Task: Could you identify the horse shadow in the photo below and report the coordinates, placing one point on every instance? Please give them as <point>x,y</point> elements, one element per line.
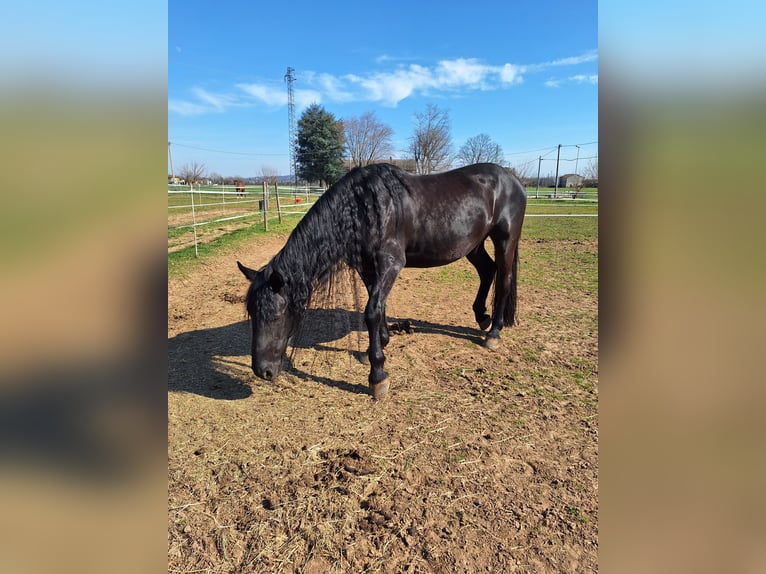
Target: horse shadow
<point>215,362</point>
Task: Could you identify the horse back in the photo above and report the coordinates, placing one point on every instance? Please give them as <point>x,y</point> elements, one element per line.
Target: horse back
<point>445,216</point>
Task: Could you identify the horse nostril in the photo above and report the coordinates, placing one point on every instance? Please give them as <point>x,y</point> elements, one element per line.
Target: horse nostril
<point>267,374</point>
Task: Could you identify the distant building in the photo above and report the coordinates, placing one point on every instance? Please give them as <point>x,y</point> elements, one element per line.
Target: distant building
<point>571,180</point>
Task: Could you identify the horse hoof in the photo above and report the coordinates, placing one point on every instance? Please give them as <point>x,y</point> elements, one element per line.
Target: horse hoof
<point>485,323</point>
<point>492,343</point>
<point>379,390</point>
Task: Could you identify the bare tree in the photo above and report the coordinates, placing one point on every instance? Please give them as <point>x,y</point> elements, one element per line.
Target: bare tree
<point>591,171</point>
<point>525,171</point>
<point>431,144</point>
<point>479,149</point>
<point>269,174</point>
<point>192,172</point>
<point>367,139</point>
<point>215,177</point>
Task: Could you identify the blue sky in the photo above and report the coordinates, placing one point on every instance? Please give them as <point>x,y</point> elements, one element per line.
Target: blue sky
<point>524,73</point>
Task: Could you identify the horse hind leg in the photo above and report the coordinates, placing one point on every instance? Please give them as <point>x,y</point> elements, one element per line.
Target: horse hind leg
<point>506,250</point>
<point>509,315</point>
<point>486,269</point>
<point>385,336</point>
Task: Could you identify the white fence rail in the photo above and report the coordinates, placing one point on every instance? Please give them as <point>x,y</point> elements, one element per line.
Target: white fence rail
<point>223,207</point>
<point>215,210</point>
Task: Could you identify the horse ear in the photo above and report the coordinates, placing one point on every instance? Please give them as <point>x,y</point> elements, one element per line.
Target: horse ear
<point>247,272</point>
<point>276,281</point>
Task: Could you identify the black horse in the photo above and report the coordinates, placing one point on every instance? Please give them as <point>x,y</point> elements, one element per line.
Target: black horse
<point>377,220</point>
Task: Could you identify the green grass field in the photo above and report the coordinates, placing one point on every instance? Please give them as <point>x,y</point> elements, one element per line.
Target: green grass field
<point>535,228</point>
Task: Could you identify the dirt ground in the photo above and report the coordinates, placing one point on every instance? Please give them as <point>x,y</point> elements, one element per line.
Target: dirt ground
<point>477,461</point>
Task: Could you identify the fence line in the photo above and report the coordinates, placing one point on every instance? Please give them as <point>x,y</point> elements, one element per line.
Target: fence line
<point>250,196</point>
<point>254,194</point>
<point>557,199</point>
<point>561,215</point>
<point>211,204</point>
<point>233,217</point>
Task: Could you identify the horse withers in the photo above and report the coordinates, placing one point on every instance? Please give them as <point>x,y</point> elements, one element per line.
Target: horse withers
<point>377,220</point>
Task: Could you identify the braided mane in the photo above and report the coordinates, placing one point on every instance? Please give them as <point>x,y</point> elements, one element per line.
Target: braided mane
<point>345,222</point>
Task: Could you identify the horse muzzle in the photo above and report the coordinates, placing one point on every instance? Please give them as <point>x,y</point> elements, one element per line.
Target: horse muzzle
<point>266,371</point>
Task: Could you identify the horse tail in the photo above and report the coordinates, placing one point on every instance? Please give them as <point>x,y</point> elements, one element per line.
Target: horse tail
<point>509,315</point>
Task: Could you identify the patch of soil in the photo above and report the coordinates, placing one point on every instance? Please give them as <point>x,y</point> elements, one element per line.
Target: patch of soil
<point>477,461</point>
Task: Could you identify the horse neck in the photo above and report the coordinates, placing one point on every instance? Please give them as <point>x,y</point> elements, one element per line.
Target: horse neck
<point>311,253</point>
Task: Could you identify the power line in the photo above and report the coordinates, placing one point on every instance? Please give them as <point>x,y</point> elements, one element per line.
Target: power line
<point>575,159</point>
<point>229,152</point>
<point>262,154</point>
<point>550,152</point>
<point>255,154</point>
<point>529,151</point>
<point>549,148</point>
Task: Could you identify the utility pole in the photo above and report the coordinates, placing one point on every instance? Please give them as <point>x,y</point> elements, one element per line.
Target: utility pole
<point>578,159</point>
<point>172,171</point>
<point>539,161</point>
<point>556,183</point>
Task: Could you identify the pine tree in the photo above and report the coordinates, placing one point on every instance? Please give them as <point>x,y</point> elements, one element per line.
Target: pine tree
<point>320,145</point>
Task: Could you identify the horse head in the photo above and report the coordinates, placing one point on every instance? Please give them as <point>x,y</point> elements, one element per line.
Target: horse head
<point>272,319</point>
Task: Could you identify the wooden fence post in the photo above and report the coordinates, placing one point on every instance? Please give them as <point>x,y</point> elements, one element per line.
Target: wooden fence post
<point>265,207</point>
<point>279,206</point>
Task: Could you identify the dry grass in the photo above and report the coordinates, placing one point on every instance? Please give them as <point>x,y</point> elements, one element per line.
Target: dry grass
<point>477,462</point>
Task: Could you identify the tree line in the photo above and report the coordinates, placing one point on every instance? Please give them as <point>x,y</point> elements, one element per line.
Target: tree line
<point>324,142</point>
<point>326,147</point>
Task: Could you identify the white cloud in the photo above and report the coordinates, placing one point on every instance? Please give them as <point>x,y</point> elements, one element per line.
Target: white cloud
<point>589,56</point>
<point>304,98</point>
<point>577,79</point>
<point>582,78</point>
<point>461,72</point>
<point>510,74</point>
<point>219,102</point>
<point>277,97</point>
<point>186,108</point>
<point>390,88</point>
<point>389,58</point>
<point>207,102</point>
<point>386,87</point>
<point>335,88</point>
<point>266,94</point>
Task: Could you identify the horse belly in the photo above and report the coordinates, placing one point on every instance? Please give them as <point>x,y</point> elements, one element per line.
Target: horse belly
<point>425,260</point>
<point>438,251</point>
<point>446,233</point>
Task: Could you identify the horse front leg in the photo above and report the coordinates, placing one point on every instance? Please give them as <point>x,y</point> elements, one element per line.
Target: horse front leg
<point>375,317</point>
<point>378,378</point>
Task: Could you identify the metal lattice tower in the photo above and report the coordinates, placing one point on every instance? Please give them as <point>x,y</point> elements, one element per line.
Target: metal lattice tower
<point>289,78</point>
